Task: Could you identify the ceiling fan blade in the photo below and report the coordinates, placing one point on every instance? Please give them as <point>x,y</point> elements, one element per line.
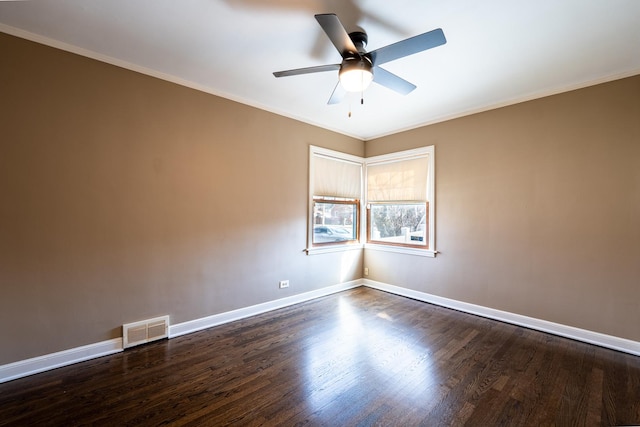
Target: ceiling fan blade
<point>308,70</point>
<point>337,95</point>
<point>407,47</point>
<point>337,34</point>
<point>391,81</point>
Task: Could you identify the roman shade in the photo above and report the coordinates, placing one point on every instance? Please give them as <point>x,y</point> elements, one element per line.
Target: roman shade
<point>336,178</point>
<point>398,180</point>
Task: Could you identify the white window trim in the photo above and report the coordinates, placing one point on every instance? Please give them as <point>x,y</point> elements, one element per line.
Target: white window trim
<point>401,250</point>
<point>339,247</point>
<point>317,250</point>
<point>431,175</point>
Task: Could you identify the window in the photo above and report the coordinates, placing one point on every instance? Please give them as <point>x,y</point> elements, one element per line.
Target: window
<point>400,192</point>
<point>335,221</point>
<point>335,186</point>
<point>399,201</point>
<point>398,224</point>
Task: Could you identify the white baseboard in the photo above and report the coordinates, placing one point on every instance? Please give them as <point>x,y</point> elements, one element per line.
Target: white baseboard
<point>39,364</point>
<point>23,368</point>
<point>241,313</point>
<point>596,338</point>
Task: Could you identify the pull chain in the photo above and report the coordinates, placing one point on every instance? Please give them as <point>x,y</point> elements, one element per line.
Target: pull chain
<point>361,102</point>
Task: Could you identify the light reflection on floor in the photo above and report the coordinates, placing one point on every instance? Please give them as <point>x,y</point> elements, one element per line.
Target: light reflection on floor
<point>366,351</point>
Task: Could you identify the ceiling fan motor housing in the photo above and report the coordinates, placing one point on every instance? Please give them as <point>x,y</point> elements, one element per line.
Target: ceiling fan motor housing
<point>359,39</point>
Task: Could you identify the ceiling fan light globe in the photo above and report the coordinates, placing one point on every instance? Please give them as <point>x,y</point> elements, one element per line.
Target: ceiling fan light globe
<point>356,75</point>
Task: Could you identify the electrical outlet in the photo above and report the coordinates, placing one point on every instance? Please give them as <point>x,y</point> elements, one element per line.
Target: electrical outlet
<point>366,271</point>
<point>284,284</point>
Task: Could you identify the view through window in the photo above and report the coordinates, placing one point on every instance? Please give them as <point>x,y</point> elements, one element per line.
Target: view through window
<point>335,221</point>
<point>402,224</point>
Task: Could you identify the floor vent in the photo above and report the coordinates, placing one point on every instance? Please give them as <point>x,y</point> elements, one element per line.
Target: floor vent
<point>145,331</point>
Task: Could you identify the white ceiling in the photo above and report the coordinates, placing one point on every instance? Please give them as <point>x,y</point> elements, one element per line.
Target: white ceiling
<point>498,52</point>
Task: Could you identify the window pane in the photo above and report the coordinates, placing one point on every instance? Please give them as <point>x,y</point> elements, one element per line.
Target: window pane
<point>334,222</point>
<point>402,224</point>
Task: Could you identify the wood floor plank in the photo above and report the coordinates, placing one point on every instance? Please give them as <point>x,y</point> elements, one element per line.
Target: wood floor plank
<point>357,358</point>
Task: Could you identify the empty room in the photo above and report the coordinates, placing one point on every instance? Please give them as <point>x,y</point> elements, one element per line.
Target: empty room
<point>319,213</point>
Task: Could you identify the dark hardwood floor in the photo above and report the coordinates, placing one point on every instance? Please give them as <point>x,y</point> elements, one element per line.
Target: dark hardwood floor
<point>357,358</point>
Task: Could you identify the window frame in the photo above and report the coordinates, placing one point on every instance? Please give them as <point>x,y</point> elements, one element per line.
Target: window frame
<point>319,248</point>
<point>370,240</point>
<point>429,250</point>
<point>336,201</point>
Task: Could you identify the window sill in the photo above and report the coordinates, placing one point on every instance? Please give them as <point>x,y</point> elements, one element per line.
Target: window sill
<point>333,248</point>
<point>402,250</point>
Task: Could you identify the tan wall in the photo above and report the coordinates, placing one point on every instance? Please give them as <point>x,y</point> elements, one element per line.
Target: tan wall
<point>537,210</point>
<point>124,197</point>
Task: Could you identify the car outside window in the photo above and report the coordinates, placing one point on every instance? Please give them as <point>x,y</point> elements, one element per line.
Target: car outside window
<point>335,221</point>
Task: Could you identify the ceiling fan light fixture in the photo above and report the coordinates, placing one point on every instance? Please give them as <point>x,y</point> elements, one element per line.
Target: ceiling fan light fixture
<point>356,74</point>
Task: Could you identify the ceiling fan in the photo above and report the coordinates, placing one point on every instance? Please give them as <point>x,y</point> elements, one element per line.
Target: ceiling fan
<point>359,67</point>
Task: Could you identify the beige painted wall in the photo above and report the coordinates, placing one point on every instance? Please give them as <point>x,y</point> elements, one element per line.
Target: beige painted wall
<point>124,197</point>
<point>537,210</point>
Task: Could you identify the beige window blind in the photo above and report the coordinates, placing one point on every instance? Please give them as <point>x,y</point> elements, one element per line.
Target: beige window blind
<point>336,178</point>
<point>398,181</point>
